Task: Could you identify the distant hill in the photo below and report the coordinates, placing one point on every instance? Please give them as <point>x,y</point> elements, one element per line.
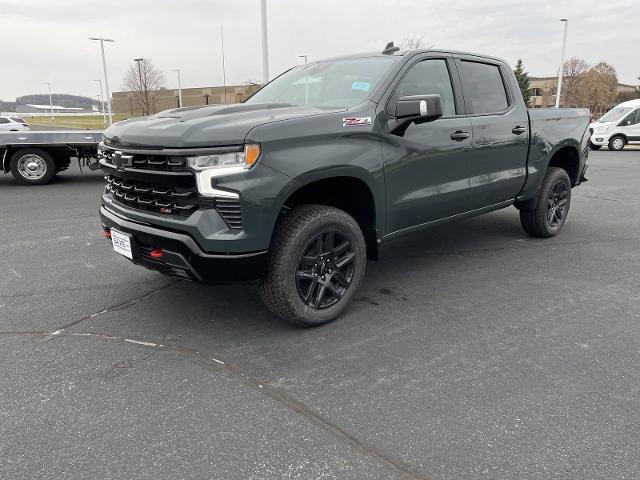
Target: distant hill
<point>61,99</point>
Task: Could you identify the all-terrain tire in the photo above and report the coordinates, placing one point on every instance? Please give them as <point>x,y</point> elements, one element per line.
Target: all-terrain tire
<point>32,166</point>
<point>550,207</point>
<point>281,291</point>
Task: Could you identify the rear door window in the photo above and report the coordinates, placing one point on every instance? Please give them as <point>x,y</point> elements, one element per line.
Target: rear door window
<point>4,120</point>
<point>484,88</point>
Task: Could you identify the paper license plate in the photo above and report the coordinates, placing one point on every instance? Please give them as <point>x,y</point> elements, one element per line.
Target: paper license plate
<point>121,243</point>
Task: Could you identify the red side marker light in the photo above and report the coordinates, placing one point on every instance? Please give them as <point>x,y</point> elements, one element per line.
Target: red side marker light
<point>156,253</point>
<point>107,233</point>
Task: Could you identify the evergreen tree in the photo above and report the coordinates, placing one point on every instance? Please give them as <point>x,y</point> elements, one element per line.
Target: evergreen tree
<point>523,81</point>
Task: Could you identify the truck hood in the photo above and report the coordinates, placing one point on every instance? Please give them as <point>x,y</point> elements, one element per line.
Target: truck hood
<point>203,126</point>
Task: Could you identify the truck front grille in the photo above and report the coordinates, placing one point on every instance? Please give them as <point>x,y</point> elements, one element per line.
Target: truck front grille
<point>170,200</point>
<point>152,196</point>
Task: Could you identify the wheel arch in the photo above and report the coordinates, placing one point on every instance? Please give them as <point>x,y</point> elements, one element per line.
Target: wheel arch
<point>348,188</point>
<point>568,158</point>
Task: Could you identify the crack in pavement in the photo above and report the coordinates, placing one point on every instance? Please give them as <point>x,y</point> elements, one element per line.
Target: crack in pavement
<point>119,306</point>
<point>283,398</point>
<point>597,197</point>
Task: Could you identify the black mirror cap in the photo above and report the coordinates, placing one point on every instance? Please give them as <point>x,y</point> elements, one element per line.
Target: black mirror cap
<point>419,108</point>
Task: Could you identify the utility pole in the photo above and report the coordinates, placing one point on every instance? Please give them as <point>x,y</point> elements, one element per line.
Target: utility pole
<point>104,69</point>
<point>265,46</point>
<point>104,115</point>
<point>50,101</point>
<point>177,70</point>
<point>143,94</point>
<point>224,74</point>
<point>564,47</point>
<point>306,82</point>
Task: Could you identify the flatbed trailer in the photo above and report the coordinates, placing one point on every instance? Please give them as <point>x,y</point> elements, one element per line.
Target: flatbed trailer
<point>34,158</point>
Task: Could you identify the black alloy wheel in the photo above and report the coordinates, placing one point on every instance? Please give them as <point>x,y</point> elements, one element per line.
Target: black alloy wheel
<point>557,203</point>
<point>325,269</point>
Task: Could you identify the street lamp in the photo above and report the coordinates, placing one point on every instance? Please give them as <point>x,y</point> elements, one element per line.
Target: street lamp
<point>50,101</point>
<point>224,73</point>
<point>564,47</point>
<point>177,70</point>
<point>265,47</point>
<point>104,114</point>
<point>104,69</point>
<point>143,94</point>
<point>306,82</point>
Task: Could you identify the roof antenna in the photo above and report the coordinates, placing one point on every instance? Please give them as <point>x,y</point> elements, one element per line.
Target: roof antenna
<point>389,49</point>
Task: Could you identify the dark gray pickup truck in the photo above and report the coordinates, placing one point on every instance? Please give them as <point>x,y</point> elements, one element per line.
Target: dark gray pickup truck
<point>317,171</point>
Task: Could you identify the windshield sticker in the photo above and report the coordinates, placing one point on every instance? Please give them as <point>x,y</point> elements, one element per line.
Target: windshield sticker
<point>356,121</point>
<point>364,86</point>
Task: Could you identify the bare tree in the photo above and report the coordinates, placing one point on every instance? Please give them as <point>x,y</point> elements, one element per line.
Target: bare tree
<point>573,73</point>
<point>143,78</point>
<point>601,87</point>
<point>412,42</point>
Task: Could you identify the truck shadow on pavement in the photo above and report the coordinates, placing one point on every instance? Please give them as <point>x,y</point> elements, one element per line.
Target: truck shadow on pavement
<point>411,269</point>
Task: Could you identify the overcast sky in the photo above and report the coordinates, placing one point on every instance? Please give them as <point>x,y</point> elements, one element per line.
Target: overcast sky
<point>46,40</point>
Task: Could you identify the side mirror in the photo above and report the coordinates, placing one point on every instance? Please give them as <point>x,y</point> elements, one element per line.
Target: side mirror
<point>419,108</point>
<point>416,109</point>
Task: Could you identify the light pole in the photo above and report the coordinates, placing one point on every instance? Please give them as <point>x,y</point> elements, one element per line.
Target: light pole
<point>224,73</point>
<point>104,69</point>
<point>265,47</point>
<point>143,94</point>
<point>306,82</point>
<point>50,101</point>
<point>177,70</point>
<point>564,47</point>
<point>104,114</point>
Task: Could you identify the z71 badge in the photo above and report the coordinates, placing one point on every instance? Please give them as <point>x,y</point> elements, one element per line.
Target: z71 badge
<point>356,121</point>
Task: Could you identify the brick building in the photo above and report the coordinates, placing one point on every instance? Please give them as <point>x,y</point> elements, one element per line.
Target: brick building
<point>543,92</point>
<point>125,102</point>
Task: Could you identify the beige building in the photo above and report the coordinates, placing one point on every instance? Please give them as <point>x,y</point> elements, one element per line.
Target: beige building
<point>543,92</point>
<point>125,103</point>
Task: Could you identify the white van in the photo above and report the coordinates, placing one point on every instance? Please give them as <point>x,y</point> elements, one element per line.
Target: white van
<point>618,127</point>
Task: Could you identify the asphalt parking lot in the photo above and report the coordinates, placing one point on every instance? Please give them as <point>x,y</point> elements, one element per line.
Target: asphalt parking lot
<point>473,351</point>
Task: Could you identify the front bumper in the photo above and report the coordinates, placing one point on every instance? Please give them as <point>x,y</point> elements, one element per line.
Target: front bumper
<point>181,255</point>
<point>601,139</point>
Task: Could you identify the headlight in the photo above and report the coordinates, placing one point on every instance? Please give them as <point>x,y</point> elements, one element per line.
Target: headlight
<point>603,128</point>
<point>242,160</point>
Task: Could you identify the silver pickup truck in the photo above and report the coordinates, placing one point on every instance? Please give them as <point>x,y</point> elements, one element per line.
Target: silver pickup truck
<point>34,158</point>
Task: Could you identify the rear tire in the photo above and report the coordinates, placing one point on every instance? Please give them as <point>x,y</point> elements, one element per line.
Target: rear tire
<point>550,207</point>
<point>617,143</point>
<point>317,263</point>
<point>32,166</point>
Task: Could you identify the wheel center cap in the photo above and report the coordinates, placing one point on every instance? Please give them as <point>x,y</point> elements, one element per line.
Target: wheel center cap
<point>33,166</point>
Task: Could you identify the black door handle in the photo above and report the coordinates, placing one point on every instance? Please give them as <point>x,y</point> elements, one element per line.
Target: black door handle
<point>518,130</point>
<point>459,135</point>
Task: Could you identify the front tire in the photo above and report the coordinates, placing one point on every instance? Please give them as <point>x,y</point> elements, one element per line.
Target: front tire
<point>551,205</point>
<point>32,166</point>
<point>317,263</point>
<point>617,143</point>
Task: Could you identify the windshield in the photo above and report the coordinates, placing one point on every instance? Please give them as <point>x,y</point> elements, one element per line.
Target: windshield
<point>331,83</point>
<point>614,114</point>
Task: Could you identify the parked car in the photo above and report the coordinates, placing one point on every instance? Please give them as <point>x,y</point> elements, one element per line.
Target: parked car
<point>329,162</point>
<point>618,127</point>
<point>12,124</point>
